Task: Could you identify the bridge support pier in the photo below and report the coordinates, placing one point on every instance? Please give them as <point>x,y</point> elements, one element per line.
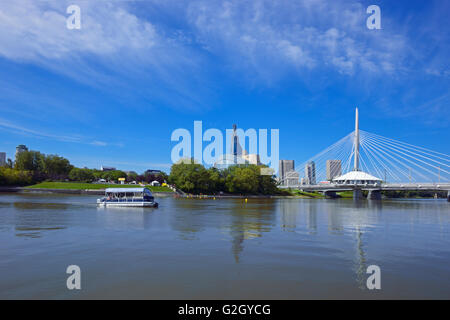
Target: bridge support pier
<point>448,195</point>
<point>374,195</point>
<point>357,194</point>
<point>330,194</point>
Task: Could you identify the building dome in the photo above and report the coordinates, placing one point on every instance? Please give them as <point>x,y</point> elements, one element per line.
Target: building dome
<point>356,177</point>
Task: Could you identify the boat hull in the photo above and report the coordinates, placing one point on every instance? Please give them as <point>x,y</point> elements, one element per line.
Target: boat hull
<point>129,204</point>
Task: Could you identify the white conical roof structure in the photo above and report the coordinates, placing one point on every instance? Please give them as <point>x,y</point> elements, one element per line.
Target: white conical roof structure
<point>356,176</point>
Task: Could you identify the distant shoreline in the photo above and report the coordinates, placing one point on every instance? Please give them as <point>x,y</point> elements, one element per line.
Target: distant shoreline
<point>156,193</point>
<point>101,192</point>
<point>69,191</point>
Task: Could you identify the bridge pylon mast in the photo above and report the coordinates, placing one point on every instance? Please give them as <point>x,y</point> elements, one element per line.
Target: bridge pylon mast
<point>356,143</point>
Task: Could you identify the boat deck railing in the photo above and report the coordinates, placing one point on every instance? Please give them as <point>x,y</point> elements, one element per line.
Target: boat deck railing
<point>134,199</point>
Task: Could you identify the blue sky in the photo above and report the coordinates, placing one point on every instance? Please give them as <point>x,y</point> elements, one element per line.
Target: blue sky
<point>113,92</point>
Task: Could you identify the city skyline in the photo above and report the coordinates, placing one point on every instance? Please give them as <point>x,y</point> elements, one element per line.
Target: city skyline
<point>105,95</point>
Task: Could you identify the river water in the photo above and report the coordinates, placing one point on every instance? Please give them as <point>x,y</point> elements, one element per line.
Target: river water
<point>223,249</point>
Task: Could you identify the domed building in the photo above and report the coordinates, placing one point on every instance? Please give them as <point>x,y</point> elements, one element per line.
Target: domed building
<point>356,177</point>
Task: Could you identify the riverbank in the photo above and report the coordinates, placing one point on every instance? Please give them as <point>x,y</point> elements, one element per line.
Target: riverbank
<point>92,186</point>
<point>294,194</point>
<point>82,188</point>
<point>317,195</point>
<point>99,192</point>
<point>99,189</point>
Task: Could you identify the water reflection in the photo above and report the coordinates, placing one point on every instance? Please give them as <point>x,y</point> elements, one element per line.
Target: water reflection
<point>335,220</point>
<point>292,210</point>
<point>189,219</point>
<point>249,221</point>
<point>123,218</point>
<point>40,206</point>
<point>375,205</point>
<point>288,211</point>
<point>343,217</point>
<point>34,232</point>
<point>297,244</point>
<point>311,209</point>
<point>360,261</point>
<point>33,219</point>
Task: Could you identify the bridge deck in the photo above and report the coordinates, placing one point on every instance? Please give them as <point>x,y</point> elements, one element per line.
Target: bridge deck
<point>384,187</point>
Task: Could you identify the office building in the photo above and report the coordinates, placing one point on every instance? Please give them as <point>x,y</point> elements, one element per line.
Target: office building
<point>287,174</point>
<point>2,159</point>
<point>333,169</point>
<point>21,148</point>
<point>284,167</point>
<point>310,173</point>
<point>291,178</point>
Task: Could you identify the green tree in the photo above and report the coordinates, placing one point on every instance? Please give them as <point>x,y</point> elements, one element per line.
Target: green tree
<point>241,179</point>
<point>30,161</point>
<point>113,175</point>
<point>13,177</point>
<point>9,163</point>
<point>244,179</point>
<point>190,177</point>
<point>216,180</point>
<point>83,175</point>
<point>131,176</point>
<point>56,167</point>
<point>97,174</point>
<point>266,183</point>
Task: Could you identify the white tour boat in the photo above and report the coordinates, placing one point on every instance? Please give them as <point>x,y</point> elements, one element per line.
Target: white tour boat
<point>127,197</point>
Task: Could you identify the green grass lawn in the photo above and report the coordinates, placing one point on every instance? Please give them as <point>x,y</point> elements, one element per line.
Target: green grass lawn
<point>307,194</point>
<point>83,186</point>
<point>345,194</point>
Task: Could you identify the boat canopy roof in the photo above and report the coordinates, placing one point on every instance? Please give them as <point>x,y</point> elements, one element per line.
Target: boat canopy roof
<point>127,190</point>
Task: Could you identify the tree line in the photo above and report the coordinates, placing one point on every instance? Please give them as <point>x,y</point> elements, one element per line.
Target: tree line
<point>194,178</point>
<point>33,166</point>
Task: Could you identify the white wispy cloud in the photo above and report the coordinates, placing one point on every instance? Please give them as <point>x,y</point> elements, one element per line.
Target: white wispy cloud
<point>302,34</point>
<point>18,129</point>
<point>37,30</point>
<point>99,143</point>
<point>122,46</point>
<point>114,50</point>
<point>26,131</point>
<point>260,34</point>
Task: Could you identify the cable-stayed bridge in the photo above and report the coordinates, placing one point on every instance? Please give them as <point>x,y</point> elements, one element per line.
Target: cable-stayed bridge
<point>367,161</point>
